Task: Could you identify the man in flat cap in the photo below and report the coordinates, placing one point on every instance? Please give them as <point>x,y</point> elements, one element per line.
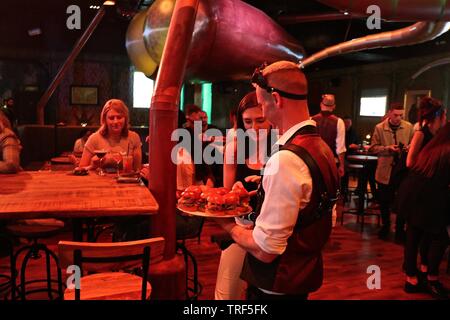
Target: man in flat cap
<point>332,129</point>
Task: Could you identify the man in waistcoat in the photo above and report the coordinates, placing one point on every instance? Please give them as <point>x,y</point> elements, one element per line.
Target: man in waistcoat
<point>284,259</point>
<point>332,129</point>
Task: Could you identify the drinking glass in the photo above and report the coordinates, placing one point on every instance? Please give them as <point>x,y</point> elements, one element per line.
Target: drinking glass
<point>127,164</point>
<point>100,154</point>
<point>117,156</point>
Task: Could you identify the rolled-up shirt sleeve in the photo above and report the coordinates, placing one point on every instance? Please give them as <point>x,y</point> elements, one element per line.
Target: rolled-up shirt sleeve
<point>287,184</point>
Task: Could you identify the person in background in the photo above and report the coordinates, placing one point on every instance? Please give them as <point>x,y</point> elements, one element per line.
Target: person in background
<point>215,140</point>
<point>332,130</point>
<point>232,117</point>
<point>414,113</point>
<point>389,139</point>
<point>10,164</point>
<point>9,147</point>
<point>10,113</point>
<point>192,113</point>
<point>249,116</point>
<point>113,136</point>
<point>352,140</point>
<point>424,200</point>
<point>432,117</point>
<point>351,146</point>
<point>81,141</point>
<point>205,125</point>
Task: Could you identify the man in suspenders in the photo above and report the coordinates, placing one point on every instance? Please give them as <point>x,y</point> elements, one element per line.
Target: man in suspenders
<point>298,188</point>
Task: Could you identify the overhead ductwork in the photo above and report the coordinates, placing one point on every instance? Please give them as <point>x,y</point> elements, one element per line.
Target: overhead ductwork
<point>397,10</point>
<point>230,39</point>
<point>417,33</point>
<point>432,16</point>
<point>332,16</point>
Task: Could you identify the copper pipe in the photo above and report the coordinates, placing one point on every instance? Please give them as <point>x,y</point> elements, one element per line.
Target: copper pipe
<point>395,10</point>
<point>163,120</point>
<point>67,64</point>
<point>417,33</point>
<point>332,16</point>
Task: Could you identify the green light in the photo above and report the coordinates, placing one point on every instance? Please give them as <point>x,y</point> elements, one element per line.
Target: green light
<point>182,98</point>
<point>207,99</point>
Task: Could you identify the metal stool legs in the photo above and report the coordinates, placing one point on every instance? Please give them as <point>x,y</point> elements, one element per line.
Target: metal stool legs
<point>362,193</point>
<point>7,284</point>
<point>33,253</point>
<point>195,290</point>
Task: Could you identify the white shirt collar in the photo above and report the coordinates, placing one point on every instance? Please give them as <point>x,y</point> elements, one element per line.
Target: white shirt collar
<point>292,130</point>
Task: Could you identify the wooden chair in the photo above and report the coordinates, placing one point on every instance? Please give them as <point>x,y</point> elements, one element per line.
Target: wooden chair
<point>102,258</point>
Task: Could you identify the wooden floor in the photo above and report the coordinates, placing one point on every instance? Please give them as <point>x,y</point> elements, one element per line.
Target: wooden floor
<point>346,258</point>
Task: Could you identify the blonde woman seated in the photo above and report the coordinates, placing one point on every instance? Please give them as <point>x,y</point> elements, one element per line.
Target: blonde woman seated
<point>9,147</point>
<point>113,137</point>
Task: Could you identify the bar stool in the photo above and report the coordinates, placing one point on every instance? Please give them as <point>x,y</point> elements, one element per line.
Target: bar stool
<point>354,170</point>
<point>189,228</point>
<point>6,280</point>
<point>33,230</point>
<point>362,193</point>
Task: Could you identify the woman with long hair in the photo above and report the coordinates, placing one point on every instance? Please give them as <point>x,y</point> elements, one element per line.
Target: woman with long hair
<point>424,202</point>
<point>432,117</point>
<point>113,136</point>
<point>250,120</point>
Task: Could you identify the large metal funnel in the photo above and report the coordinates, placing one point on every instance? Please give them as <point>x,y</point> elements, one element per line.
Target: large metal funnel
<point>230,39</point>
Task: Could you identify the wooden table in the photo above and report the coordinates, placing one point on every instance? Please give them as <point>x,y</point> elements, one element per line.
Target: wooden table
<point>50,194</point>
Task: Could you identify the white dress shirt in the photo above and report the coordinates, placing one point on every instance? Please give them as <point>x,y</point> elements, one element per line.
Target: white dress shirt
<point>287,184</point>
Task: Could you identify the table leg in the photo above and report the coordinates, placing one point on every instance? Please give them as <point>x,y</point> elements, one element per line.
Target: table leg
<point>362,194</point>
<point>77,225</point>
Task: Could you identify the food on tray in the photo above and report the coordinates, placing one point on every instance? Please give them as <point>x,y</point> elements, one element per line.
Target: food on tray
<point>203,200</point>
<point>222,201</point>
<point>221,190</point>
<point>188,200</point>
<point>244,198</point>
<point>222,204</point>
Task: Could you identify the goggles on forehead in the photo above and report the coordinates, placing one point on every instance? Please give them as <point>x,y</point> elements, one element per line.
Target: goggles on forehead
<point>260,80</point>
